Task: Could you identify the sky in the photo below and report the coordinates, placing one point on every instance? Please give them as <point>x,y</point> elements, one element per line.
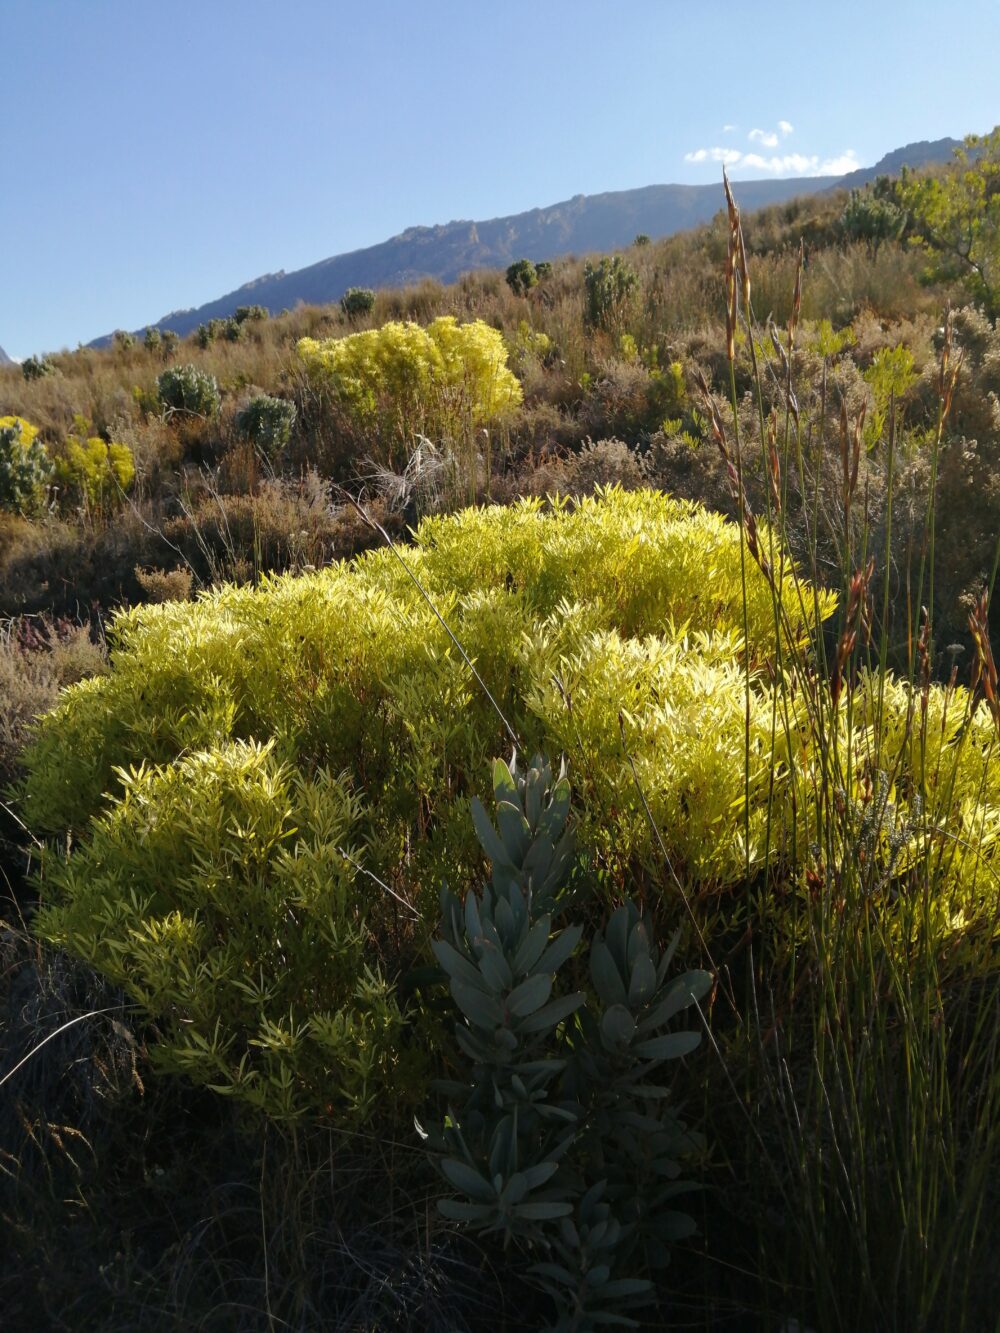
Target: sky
<point>158,155</point>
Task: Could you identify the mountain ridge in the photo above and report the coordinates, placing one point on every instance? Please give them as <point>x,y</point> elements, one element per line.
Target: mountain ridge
<point>581,224</point>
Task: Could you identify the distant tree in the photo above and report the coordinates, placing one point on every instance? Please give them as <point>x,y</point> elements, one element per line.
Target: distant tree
<point>36,368</point>
<point>205,334</point>
<point>641,240</point>
<point>169,341</point>
<point>543,270</point>
<point>251,314</point>
<point>610,291</point>
<point>522,276</point>
<point>357,301</point>
<point>122,340</point>
<point>872,215</point>
<point>233,329</point>
<point>153,340</point>
<point>956,218</point>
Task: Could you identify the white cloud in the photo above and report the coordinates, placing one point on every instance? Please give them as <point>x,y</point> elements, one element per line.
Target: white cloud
<point>841,165</point>
<point>763,137</point>
<point>784,127</point>
<point>784,164</point>
<point>728,129</point>
<point>730,156</point>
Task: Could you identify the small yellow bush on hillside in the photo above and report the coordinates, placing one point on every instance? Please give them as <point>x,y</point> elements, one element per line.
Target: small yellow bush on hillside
<point>403,379</point>
<point>93,474</point>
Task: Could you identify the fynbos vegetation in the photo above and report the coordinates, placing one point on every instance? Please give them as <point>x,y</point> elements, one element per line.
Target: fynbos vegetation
<point>702,539</point>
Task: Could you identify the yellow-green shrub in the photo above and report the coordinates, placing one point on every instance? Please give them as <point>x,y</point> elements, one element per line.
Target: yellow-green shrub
<point>403,379</point>
<point>248,737</point>
<point>221,892</point>
<point>93,474</point>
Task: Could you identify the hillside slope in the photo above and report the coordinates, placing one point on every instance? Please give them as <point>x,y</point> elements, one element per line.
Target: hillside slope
<point>579,225</point>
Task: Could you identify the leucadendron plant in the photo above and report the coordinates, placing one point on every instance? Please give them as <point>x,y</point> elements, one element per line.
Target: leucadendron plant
<point>561,1136</point>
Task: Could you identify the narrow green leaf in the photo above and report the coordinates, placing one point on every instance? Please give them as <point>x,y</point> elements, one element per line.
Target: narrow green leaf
<point>533,947</point>
<point>456,964</point>
<point>456,1210</point>
<point>495,970</point>
<point>504,786</point>
<point>538,1175</point>
<point>514,831</point>
<point>642,985</point>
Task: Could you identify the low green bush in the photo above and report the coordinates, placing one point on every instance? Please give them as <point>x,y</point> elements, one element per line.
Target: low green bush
<point>188,389</point>
<point>357,301</point>
<point>521,276</point>
<point>25,467</point>
<point>267,423</point>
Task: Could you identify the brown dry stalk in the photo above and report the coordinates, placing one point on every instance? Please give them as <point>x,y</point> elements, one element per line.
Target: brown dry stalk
<point>984,671</point>
<point>857,616</point>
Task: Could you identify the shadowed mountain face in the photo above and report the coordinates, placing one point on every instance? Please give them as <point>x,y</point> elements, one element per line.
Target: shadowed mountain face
<point>4,358</point>
<point>580,225</point>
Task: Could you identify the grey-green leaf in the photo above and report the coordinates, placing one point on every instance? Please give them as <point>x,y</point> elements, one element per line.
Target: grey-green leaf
<point>553,1013</point>
<point>467,1179</point>
<point>617,1026</point>
<point>530,995</point>
<point>670,1047</point>
<point>605,975</point>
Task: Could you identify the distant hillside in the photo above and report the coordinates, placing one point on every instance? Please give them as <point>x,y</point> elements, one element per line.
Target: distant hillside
<point>576,226</point>
<point>924,153</point>
<point>5,359</point>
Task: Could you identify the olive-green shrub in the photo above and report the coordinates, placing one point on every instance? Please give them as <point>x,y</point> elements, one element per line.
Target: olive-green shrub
<point>188,389</point>
<point>222,892</point>
<point>267,422</point>
<point>521,276</point>
<point>25,467</point>
<point>357,301</point>
<point>610,291</point>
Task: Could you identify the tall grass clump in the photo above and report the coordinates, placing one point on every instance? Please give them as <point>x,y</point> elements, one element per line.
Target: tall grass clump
<point>864,1006</point>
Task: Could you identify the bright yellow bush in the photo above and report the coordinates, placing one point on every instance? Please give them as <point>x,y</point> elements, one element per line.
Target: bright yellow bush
<point>28,432</point>
<point>94,474</point>
<point>403,379</point>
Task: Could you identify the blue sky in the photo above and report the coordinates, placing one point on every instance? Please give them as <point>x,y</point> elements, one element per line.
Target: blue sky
<point>157,155</point>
